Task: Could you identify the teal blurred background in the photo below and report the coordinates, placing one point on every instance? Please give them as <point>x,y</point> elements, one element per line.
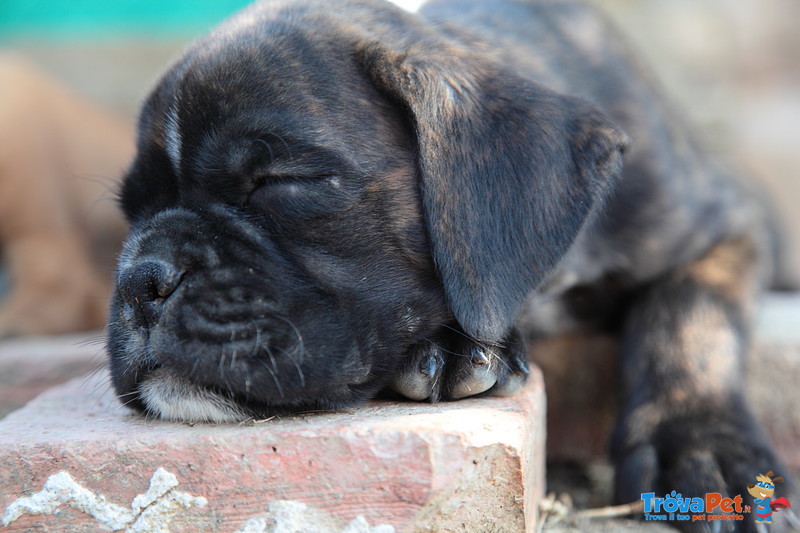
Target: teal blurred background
<point>99,19</point>
<point>110,52</point>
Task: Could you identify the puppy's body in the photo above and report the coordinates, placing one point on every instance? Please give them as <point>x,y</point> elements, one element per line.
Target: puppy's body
<point>673,202</point>
<point>330,201</point>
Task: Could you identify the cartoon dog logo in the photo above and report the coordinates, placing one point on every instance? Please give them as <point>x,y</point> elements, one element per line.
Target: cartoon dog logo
<point>762,492</point>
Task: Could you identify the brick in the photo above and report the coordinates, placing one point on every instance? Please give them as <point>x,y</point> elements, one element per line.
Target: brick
<point>29,366</point>
<point>475,465</point>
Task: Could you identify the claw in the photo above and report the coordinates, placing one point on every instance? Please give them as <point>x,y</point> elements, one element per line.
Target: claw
<point>429,365</point>
<point>416,381</point>
<point>521,364</point>
<point>478,356</point>
<point>514,381</point>
<point>475,378</point>
<point>456,366</point>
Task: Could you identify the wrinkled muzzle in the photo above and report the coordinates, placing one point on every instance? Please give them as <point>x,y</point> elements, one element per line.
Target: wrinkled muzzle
<point>211,322</point>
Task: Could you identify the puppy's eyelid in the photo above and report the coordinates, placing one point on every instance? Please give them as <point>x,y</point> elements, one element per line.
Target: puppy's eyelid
<point>332,179</point>
<point>260,181</point>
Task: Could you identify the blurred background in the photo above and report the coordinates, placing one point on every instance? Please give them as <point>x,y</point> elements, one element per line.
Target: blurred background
<point>732,66</point>
<point>111,52</point>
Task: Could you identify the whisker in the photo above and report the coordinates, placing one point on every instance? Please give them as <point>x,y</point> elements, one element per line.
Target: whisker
<point>296,365</point>
<point>456,330</point>
<point>232,364</point>
<point>95,390</point>
<point>285,144</point>
<point>97,370</point>
<point>269,148</point>
<point>129,402</point>
<point>271,358</point>
<point>497,357</point>
<point>222,364</point>
<point>297,333</point>
<point>445,350</point>
<point>274,378</point>
<point>469,337</point>
<point>195,366</point>
<point>257,343</point>
<point>100,385</point>
<point>94,340</point>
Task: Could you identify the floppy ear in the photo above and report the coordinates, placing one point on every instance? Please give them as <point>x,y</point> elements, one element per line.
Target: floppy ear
<point>510,173</point>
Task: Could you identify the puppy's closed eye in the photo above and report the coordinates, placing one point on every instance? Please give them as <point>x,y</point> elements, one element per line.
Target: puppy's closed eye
<point>300,196</point>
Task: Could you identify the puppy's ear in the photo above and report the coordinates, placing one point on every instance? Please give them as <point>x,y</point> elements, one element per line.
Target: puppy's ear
<point>510,173</point>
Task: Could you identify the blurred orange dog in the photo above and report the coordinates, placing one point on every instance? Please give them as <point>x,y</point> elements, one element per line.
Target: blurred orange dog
<point>59,224</point>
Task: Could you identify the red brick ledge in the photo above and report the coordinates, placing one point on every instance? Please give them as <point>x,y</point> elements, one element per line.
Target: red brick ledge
<point>469,466</point>
<point>29,366</point>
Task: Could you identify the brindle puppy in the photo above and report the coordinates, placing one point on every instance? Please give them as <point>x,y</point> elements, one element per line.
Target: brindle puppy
<point>333,198</point>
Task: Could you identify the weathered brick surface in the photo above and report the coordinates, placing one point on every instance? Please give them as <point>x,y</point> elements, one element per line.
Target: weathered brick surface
<point>30,366</point>
<point>470,466</point>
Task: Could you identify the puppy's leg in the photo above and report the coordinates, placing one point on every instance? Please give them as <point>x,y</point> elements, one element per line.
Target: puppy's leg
<point>454,366</point>
<point>685,424</point>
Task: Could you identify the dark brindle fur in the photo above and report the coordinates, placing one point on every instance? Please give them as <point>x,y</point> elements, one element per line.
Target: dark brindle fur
<point>335,198</point>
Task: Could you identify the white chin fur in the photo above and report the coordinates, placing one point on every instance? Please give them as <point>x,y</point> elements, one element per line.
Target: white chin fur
<point>173,398</point>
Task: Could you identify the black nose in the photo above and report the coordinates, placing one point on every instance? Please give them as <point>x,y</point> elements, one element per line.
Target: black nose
<point>144,286</point>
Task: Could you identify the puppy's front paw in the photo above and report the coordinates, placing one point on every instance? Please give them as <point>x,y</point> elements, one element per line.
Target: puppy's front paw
<point>453,366</point>
<point>696,451</point>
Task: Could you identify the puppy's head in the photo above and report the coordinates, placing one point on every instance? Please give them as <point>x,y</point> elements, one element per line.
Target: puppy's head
<point>318,188</point>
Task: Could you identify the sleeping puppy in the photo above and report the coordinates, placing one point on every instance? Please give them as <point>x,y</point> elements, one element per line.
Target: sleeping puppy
<point>334,199</point>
